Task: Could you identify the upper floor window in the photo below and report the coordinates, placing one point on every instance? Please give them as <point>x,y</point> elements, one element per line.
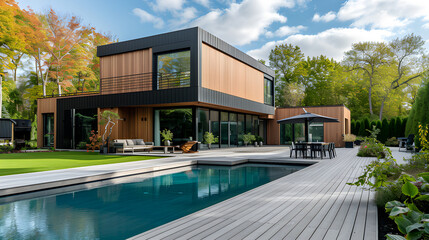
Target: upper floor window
<point>268,92</point>
<point>174,70</point>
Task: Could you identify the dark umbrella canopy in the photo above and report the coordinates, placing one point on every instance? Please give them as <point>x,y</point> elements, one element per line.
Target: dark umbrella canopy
<point>307,118</point>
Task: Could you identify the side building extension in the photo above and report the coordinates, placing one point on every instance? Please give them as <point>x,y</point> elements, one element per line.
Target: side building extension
<point>187,81</point>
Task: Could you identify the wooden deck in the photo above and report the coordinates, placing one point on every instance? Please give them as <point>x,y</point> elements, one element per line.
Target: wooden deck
<point>314,203</point>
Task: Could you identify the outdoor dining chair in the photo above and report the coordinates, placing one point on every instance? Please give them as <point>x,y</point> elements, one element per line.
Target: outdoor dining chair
<point>292,148</point>
<point>316,148</point>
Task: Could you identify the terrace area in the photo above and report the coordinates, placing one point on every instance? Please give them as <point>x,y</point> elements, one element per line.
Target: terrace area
<point>313,203</point>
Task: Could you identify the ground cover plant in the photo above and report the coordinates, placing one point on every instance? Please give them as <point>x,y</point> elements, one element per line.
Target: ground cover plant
<point>16,163</point>
<point>402,190</point>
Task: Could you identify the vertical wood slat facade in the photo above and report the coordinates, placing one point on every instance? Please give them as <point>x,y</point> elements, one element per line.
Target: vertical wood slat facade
<point>332,132</point>
<point>126,64</point>
<point>135,123</point>
<point>46,105</point>
<point>225,74</point>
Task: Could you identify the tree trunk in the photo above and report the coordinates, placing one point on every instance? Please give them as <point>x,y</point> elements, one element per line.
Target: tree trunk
<point>59,86</point>
<point>380,115</point>
<point>370,96</point>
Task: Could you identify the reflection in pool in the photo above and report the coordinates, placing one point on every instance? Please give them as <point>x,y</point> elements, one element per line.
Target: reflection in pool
<point>123,210</point>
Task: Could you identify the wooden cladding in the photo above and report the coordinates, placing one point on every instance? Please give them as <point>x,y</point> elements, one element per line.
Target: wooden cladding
<point>46,105</point>
<point>333,132</point>
<point>116,72</point>
<point>222,73</point>
<point>135,123</point>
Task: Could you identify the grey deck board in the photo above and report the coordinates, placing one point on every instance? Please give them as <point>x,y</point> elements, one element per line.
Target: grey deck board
<point>314,203</point>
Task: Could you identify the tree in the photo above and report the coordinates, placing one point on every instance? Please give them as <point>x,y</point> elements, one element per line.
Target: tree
<point>285,60</point>
<point>419,114</point>
<point>404,127</point>
<point>403,50</point>
<point>353,127</point>
<point>398,128</point>
<point>379,126</point>
<point>108,119</point>
<point>64,36</point>
<point>321,78</point>
<point>357,127</point>
<point>362,128</point>
<point>384,134</point>
<point>392,127</point>
<point>367,57</point>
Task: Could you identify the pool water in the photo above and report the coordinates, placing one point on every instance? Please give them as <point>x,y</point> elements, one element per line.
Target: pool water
<point>123,210</point>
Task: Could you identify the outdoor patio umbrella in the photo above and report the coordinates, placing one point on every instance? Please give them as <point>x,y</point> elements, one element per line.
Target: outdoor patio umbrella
<point>307,118</point>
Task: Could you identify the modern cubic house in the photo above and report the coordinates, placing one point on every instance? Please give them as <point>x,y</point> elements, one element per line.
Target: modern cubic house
<point>187,81</point>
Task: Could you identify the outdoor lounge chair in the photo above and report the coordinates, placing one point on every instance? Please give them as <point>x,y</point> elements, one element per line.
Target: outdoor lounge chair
<point>410,142</point>
<point>187,147</point>
<point>132,144</point>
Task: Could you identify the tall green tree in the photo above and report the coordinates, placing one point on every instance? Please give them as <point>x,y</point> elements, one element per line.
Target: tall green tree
<point>367,57</point>
<point>404,51</point>
<point>419,114</point>
<point>384,133</point>
<point>285,60</point>
<point>321,78</point>
<point>392,127</point>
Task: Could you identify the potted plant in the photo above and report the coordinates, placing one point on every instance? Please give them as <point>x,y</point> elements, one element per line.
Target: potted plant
<point>209,138</point>
<point>108,119</point>
<point>167,136</point>
<point>260,140</point>
<point>349,139</point>
<point>248,138</point>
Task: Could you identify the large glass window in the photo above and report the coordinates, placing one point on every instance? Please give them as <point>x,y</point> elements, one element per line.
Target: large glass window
<point>174,70</point>
<point>178,121</point>
<point>85,121</point>
<point>48,130</point>
<point>203,123</point>
<point>214,125</point>
<point>248,124</point>
<point>315,131</point>
<point>268,92</point>
<point>233,129</point>
<point>240,128</point>
<point>224,130</point>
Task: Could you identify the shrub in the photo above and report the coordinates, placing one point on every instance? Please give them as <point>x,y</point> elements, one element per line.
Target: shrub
<point>398,128</point>
<point>349,138</point>
<point>384,131</point>
<point>353,127</point>
<point>392,126</point>
<point>378,126</point>
<point>403,127</point>
<point>371,149</point>
<point>362,128</point>
<point>81,145</point>
<point>392,142</point>
<point>94,142</point>
<point>357,127</point>
<point>248,138</point>
<point>209,138</point>
<point>389,193</point>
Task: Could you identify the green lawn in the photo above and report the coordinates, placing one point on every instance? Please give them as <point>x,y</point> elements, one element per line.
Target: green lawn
<point>15,163</point>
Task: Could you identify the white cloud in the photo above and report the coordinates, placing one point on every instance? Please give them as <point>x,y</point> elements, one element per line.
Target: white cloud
<point>147,17</point>
<point>426,25</point>
<point>243,22</point>
<point>205,3</point>
<point>331,43</point>
<point>383,13</point>
<point>325,18</point>
<point>184,16</point>
<point>167,5</point>
<point>285,31</point>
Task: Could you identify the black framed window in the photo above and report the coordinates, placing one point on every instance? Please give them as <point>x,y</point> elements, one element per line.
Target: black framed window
<point>174,70</point>
<point>268,92</point>
<point>48,130</point>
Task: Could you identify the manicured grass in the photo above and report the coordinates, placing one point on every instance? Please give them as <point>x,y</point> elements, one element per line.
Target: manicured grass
<point>15,163</point>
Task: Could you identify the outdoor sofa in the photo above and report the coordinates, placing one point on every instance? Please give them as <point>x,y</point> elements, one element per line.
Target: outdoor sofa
<point>132,145</point>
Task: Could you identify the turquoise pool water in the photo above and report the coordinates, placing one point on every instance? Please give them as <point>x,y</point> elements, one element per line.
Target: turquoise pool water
<point>139,203</point>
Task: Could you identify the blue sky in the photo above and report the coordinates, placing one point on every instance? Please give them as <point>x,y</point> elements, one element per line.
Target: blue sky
<point>327,27</point>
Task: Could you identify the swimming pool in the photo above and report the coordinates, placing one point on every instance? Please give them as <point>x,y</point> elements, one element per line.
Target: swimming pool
<point>137,204</point>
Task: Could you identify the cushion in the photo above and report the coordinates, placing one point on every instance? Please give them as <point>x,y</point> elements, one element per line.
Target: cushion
<point>130,142</point>
<point>139,142</point>
<point>121,141</point>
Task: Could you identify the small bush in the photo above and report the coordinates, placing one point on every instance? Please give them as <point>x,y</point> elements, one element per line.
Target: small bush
<point>389,193</point>
<point>392,142</point>
<point>349,138</point>
<point>371,149</point>
<point>81,145</point>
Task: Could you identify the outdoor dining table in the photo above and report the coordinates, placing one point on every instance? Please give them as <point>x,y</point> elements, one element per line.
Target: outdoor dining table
<point>306,145</point>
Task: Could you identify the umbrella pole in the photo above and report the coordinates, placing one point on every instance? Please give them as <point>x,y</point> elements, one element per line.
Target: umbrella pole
<point>306,130</point>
